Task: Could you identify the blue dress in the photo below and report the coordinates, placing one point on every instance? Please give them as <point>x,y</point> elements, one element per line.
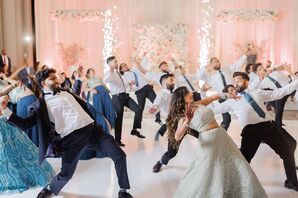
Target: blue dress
<point>19,167</point>
<point>102,101</point>
<point>23,111</point>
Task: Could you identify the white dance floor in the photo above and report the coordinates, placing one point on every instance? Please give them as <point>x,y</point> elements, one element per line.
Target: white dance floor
<point>96,178</point>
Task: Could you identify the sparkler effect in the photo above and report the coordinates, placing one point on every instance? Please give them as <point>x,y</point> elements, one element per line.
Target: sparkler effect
<point>204,34</point>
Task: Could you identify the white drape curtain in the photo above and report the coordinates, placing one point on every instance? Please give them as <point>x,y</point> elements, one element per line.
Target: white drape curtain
<point>15,24</point>
<point>281,37</point>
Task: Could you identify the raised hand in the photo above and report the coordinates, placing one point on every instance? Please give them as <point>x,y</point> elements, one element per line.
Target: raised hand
<point>189,112</point>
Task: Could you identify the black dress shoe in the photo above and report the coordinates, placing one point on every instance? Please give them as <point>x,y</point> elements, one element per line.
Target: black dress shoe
<point>124,194</point>
<point>157,167</point>
<point>290,185</point>
<point>158,121</point>
<point>137,133</point>
<point>120,143</point>
<point>44,193</point>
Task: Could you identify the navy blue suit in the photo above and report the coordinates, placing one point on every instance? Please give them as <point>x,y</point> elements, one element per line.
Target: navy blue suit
<point>73,145</point>
<point>24,77</point>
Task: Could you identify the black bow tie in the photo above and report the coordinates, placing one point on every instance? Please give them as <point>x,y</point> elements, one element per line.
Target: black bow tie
<point>52,93</point>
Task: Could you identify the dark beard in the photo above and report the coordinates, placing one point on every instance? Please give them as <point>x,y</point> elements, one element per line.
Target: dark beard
<point>170,87</point>
<point>240,89</point>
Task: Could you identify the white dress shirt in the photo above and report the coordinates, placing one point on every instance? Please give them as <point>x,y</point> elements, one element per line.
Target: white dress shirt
<point>5,59</point>
<point>163,101</point>
<point>129,77</point>
<point>115,82</point>
<point>252,76</point>
<point>245,112</point>
<point>181,81</point>
<point>214,78</point>
<point>154,76</point>
<point>266,83</point>
<point>66,113</point>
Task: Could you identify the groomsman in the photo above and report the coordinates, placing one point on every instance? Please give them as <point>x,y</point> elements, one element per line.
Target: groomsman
<point>66,121</point>
<point>121,98</point>
<point>163,101</point>
<point>218,77</point>
<point>271,80</point>
<point>135,80</point>
<point>183,80</point>
<point>155,76</point>
<point>258,126</point>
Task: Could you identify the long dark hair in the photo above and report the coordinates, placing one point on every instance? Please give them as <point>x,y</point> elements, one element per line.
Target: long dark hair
<point>176,113</point>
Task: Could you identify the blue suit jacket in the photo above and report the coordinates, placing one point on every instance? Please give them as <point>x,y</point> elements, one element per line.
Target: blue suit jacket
<point>24,76</point>
<point>46,131</point>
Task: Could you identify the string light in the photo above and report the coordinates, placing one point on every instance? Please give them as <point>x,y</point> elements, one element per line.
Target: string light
<point>204,34</point>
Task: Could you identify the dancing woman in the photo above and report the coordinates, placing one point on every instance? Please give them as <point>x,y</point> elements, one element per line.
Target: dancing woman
<point>218,168</point>
<point>21,97</point>
<point>19,167</point>
<point>100,98</point>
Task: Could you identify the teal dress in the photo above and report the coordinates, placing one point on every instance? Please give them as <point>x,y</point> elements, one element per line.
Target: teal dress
<point>19,167</point>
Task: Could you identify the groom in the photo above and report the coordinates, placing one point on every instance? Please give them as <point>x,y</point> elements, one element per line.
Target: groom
<point>64,116</point>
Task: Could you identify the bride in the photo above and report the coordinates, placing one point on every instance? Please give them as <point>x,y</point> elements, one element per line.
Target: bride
<point>218,168</point>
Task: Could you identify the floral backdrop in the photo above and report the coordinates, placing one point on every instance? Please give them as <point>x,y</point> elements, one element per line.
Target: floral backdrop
<point>161,42</point>
<point>67,56</point>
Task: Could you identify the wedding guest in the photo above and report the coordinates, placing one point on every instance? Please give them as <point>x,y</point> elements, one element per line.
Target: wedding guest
<point>250,70</point>
<point>161,104</point>
<point>26,75</point>
<point>183,80</point>
<point>218,168</point>
<point>271,79</point>
<point>120,99</point>
<point>98,95</point>
<point>21,97</point>
<point>5,61</point>
<point>20,169</point>
<point>74,127</point>
<point>135,80</point>
<point>258,126</point>
<point>218,77</point>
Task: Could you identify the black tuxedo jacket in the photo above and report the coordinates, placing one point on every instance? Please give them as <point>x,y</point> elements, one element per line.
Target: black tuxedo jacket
<point>48,138</point>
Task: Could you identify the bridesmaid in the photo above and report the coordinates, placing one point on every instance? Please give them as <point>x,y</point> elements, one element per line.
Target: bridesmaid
<point>99,97</point>
<point>19,168</point>
<point>21,97</point>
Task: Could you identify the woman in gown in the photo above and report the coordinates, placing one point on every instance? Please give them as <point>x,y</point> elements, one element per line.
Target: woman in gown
<point>21,97</point>
<point>218,168</point>
<point>100,98</point>
<point>19,168</point>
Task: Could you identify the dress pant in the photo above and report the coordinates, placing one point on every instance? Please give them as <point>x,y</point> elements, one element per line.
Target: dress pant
<point>90,137</point>
<point>226,118</point>
<point>268,132</point>
<point>172,151</point>
<point>120,101</point>
<point>146,92</point>
<point>279,106</point>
